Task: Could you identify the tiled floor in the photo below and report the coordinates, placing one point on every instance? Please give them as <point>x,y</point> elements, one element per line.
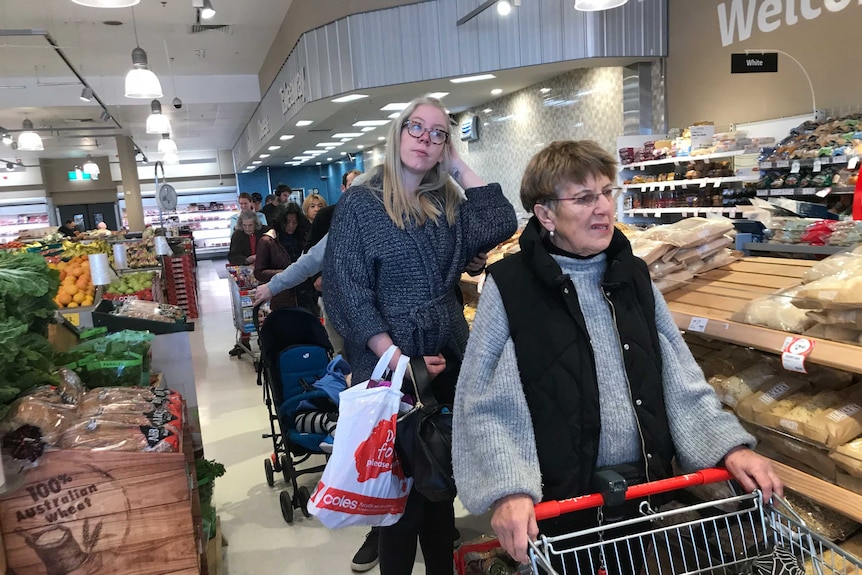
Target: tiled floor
<point>233,417</point>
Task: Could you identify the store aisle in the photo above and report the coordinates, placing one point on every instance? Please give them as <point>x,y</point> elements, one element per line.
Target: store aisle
<point>233,418</point>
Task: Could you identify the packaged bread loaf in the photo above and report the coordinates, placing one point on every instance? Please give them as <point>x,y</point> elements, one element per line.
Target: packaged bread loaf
<point>688,255</point>
<point>840,423</point>
<point>729,361</point>
<point>690,232</point>
<point>771,398</point>
<point>806,406</point>
<point>830,293</point>
<point>100,435</point>
<point>52,418</point>
<point>673,281</point>
<point>649,250</point>
<point>847,318</point>
<point>815,459</point>
<point>776,311</point>
<point>731,390</point>
<point>826,378</point>
<point>846,264</point>
<point>849,457</point>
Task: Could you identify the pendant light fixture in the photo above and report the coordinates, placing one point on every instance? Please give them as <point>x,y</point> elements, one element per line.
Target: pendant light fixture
<point>207,11</point>
<point>28,140</point>
<point>141,82</point>
<point>171,159</point>
<point>92,168</point>
<point>5,136</point>
<point>107,3</point>
<point>598,5</point>
<point>86,94</point>
<point>157,123</point>
<point>167,145</point>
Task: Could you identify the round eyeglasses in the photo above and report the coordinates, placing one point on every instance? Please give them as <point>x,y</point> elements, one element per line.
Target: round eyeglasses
<point>416,130</point>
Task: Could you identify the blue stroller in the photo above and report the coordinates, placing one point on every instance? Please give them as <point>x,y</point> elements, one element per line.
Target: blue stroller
<point>295,352</point>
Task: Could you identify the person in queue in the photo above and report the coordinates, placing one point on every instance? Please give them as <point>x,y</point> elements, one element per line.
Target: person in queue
<point>256,201</point>
<point>243,249</point>
<point>311,205</point>
<point>398,244</point>
<point>245,202</point>
<point>575,365</point>
<point>277,251</point>
<point>347,179</point>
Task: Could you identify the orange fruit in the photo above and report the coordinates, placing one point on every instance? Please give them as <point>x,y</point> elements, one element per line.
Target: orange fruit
<point>63,298</point>
<point>87,301</point>
<point>78,297</point>
<point>71,305</point>
<point>70,289</point>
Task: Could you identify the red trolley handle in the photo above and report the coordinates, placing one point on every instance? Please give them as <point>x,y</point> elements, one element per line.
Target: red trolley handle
<point>551,509</point>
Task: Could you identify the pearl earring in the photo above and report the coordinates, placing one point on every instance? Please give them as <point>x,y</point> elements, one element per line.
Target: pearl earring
<point>552,233</point>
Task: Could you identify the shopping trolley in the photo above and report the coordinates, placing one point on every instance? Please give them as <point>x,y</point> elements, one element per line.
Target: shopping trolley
<point>731,535</point>
<point>242,290</point>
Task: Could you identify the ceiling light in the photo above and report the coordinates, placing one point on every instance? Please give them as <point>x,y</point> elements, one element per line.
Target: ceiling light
<point>107,3</point>
<point>596,5</point>
<point>328,159</point>
<point>5,136</point>
<point>171,159</point>
<point>264,156</point>
<point>343,153</point>
<point>92,168</point>
<point>28,140</point>
<point>347,135</point>
<point>438,95</point>
<point>544,90</point>
<point>503,8</point>
<point>488,110</point>
<point>327,148</point>
<point>86,94</point>
<point>302,123</point>
<point>361,147</point>
<point>381,138</point>
<point>10,166</point>
<point>370,123</point>
<point>313,152</point>
<point>397,106</point>
<point>105,116</point>
<point>369,129</point>
<point>476,78</point>
<point>249,168</point>
<point>286,137</point>
<point>141,82</point>
<point>324,144</point>
<point>343,140</point>
<point>167,145</point>
<point>394,115</point>
<point>157,123</point>
<point>302,158</point>
<point>256,163</point>
<point>318,163</point>
<point>207,11</point>
<point>349,98</point>
<point>273,148</point>
<point>496,91</point>
<point>245,171</point>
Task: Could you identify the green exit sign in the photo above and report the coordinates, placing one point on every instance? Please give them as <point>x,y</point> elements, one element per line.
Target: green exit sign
<point>75,175</point>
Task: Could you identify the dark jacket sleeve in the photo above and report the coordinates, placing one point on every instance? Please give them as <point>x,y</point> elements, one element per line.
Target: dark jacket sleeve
<point>488,218</point>
<point>264,264</point>
<point>240,249</point>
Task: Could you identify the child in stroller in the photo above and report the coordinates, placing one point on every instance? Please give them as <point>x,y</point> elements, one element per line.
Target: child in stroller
<point>319,414</point>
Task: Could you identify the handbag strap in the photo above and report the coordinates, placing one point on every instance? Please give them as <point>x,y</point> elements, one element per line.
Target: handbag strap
<point>422,383</point>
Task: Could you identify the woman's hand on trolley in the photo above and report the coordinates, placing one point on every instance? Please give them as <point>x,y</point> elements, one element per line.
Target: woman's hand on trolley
<point>262,294</point>
<point>753,471</point>
<point>514,522</point>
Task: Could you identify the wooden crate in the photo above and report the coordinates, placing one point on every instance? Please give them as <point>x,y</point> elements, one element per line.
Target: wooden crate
<point>88,512</point>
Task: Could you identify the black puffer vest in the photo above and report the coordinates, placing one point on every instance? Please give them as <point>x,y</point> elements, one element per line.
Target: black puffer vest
<point>557,366</point>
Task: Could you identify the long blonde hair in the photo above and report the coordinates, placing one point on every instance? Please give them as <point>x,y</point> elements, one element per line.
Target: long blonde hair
<point>396,201</point>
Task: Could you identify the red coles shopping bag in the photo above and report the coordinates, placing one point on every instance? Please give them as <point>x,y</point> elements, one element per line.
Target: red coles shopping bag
<point>363,483</point>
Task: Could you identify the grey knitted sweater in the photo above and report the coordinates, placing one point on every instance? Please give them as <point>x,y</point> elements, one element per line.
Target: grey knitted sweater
<point>494,452</point>
<point>382,279</point>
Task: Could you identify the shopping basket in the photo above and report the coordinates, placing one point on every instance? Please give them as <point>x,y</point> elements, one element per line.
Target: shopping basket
<point>731,535</point>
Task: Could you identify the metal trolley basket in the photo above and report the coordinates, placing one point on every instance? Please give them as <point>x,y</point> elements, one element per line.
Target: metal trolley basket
<point>242,290</point>
<point>733,535</point>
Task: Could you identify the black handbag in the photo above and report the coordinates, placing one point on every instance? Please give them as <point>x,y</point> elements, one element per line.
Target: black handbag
<point>423,440</point>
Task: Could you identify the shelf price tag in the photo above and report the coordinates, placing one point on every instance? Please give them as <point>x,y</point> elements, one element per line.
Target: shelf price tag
<point>816,166</point>
<point>762,193</point>
<point>839,159</point>
<point>852,163</point>
<point>782,164</point>
<point>794,352</point>
<point>826,160</point>
<point>703,184</point>
<point>716,183</point>
<point>794,169</point>
<point>698,324</point>
<point>765,165</point>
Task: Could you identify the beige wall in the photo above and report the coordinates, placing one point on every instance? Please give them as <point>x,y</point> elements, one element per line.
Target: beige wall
<point>701,87</point>
<point>305,15</point>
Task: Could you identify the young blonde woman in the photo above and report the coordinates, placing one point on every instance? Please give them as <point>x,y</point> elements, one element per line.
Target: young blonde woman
<point>397,247</point>
<point>311,205</point>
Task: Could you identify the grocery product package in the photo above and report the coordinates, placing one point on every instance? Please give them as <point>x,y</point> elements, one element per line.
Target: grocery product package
<point>690,232</point>
<point>826,378</point>
<point>673,281</point>
<point>846,318</point>
<point>729,361</point>
<point>771,400</point>
<point>52,418</point>
<point>845,263</point>
<point>834,333</point>
<point>733,389</point>
<point>117,359</point>
<point>662,268</point>
<point>141,309</point>
<point>833,292</point>
<point>688,255</point>
<point>799,453</point>
<point>849,457</point>
<point>806,406</point>
<point>101,435</point>
<point>841,421</point>
<point>649,250</point>
<point>776,311</point>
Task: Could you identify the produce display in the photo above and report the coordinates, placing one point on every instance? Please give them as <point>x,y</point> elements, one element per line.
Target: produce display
<point>679,145</point>
<point>75,249</point>
<point>139,284</point>
<point>152,311</point>
<point>27,288</point>
<point>117,359</point>
<point>76,286</point>
<point>142,254</point>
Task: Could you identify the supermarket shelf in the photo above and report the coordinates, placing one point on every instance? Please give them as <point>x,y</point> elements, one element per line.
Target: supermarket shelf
<point>732,211</point>
<point>842,500</point>
<point>716,295</point>
<point>801,249</point>
<point>820,192</point>
<point>700,182</point>
<point>677,160</point>
<point>805,162</point>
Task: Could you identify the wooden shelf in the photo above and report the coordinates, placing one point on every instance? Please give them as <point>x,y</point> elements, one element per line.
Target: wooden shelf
<point>794,248</point>
<point>700,182</point>
<point>841,500</point>
<point>718,294</point>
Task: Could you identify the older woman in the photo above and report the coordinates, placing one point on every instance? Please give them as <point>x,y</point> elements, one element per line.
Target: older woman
<point>395,252</point>
<point>575,364</point>
<point>311,205</point>
<point>245,238</point>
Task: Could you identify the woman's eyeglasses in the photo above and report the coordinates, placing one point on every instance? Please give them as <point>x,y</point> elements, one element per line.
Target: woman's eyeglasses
<point>416,130</point>
<point>590,200</point>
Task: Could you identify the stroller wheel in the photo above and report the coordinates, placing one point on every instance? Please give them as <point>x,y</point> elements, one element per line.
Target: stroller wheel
<point>286,507</point>
<point>302,497</point>
<point>287,469</point>
<point>267,469</point>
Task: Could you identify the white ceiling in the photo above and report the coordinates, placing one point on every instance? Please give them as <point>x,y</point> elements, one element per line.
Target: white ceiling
<point>214,73</point>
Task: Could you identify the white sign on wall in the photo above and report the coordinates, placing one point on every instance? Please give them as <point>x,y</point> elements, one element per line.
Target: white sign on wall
<point>737,18</point>
<point>292,92</point>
